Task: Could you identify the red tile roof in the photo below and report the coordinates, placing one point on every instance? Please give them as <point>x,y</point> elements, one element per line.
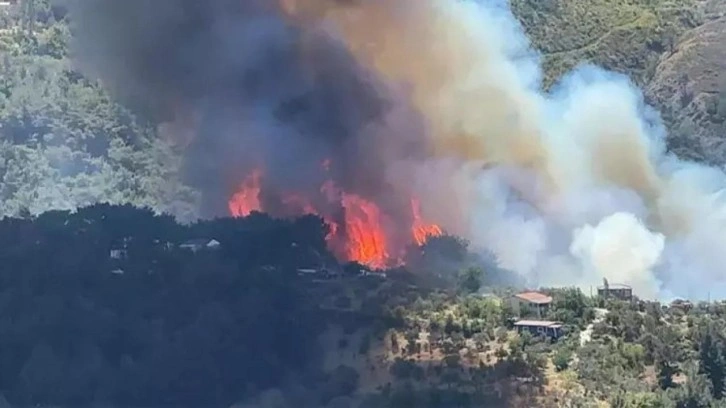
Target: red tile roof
<point>534,297</point>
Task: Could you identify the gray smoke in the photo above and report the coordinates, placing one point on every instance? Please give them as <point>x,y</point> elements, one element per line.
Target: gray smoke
<point>245,87</point>
<point>436,98</point>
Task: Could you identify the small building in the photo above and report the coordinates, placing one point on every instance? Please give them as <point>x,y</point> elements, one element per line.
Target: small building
<point>535,302</point>
<point>120,249</point>
<point>195,245</point>
<point>615,290</point>
<point>681,304</point>
<point>307,272</point>
<point>546,328</point>
<point>118,253</point>
<point>165,245</point>
<point>365,273</point>
<point>318,274</point>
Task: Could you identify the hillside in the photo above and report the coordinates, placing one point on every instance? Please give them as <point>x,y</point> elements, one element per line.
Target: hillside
<point>112,305</point>
<point>673,50</point>
<point>116,307</point>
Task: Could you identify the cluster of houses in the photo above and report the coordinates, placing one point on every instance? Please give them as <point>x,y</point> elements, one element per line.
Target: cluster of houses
<point>326,274</point>
<point>120,250</point>
<point>537,304</point>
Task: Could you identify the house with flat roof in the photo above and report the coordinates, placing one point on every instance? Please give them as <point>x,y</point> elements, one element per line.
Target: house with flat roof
<point>199,244</point>
<point>534,302</point>
<point>546,328</point>
<point>615,290</point>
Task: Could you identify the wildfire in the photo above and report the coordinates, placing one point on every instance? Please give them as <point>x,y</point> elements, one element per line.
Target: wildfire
<point>358,235</point>
<point>247,198</point>
<point>366,239</point>
<point>421,230</point>
<point>299,203</point>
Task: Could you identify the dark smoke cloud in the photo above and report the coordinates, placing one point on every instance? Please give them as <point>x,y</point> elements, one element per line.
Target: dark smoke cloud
<point>262,91</point>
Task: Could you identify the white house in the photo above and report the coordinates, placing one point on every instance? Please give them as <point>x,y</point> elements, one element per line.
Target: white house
<point>195,245</point>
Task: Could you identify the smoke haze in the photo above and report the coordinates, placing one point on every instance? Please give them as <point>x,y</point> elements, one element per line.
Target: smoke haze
<point>438,99</point>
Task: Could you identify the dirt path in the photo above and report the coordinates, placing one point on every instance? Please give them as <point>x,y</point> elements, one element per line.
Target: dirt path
<point>586,335</point>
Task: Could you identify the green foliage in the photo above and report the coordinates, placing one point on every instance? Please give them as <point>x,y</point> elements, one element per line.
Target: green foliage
<point>562,359</point>
<point>405,369</point>
<point>470,279</point>
<point>712,354</point>
<point>570,307</point>
<point>64,142</point>
<point>162,325</point>
<point>696,393</point>
<point>669,352</point>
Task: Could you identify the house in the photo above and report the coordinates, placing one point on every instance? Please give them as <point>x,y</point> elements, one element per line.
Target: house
<point>365,273</point>
<point>319,274</point>
<point>195,245</point>
<point>615,290</point>
<point>120,249</point>
<point>546,328</point>
<point>166,245</point>
<point>307,272</point>
<point>535,302</point>
<point>118,253</point>
<point>681,304</point>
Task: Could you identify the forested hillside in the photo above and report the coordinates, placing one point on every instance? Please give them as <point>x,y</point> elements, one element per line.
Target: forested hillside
<point>113,306</point>
<point>65,142</point>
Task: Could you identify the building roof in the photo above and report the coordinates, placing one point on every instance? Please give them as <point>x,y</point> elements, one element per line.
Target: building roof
<point>614,286</point>
<point>200,242</point>
<point>534,297</point>
<point>538,323</point>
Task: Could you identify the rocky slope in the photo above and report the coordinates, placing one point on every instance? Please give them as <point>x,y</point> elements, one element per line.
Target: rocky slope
<point>674,50</point>
<point>688,87</point>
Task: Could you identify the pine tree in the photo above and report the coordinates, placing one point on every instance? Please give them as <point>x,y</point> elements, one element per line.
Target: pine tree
<point>712,361</point>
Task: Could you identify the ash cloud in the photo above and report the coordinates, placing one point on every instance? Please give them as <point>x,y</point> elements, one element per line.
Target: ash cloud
<point>438,97</point>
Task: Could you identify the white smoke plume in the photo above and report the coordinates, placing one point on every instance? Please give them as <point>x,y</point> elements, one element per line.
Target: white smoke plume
<point>566,187</point>
<point>622,248</point>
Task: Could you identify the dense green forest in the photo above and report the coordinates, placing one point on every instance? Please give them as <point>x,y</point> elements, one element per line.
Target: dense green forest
<point>65,142</point>
<point>152,323</point>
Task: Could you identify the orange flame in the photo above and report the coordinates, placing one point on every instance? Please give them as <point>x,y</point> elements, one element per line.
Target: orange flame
<point>421,230</point>
<point>360,236</point>
<point>300,203</point>
<point>366,238</point>
<point>247,199</point>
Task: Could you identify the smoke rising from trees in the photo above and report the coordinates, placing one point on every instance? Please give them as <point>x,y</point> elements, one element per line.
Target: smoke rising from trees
<point>438,98</point>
